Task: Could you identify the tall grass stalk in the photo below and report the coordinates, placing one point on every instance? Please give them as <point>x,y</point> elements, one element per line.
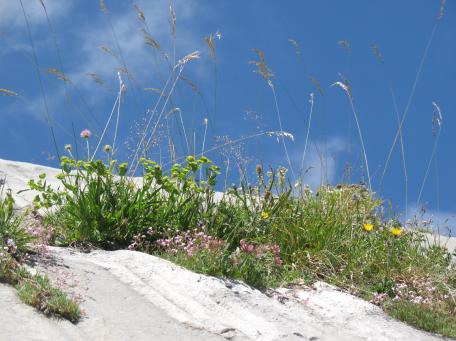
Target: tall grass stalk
<point>172,24</point>
<point>404,162</point>
<point>149,40</point>
<point>204,136</point>
<point>122,88</point>
<point>154,129</point>
<point>47,114</point>
<point>135,158</point>
<point>428,167</point>
<point>311,101</point>
<point>378,54</point>
<point>205,122</point>
<point>410,99</point>
<point>65,87</point>
<point>106,126</point>
<point>181,64</point>
<point>279,117</point>
<point>229,143</point>
<point>227,168</point>
<point>347,90</point>
<point>130,79</point>
<point>184,131</point>
<point>213,55</point>
<point>437,118</point>
<point>361,141</point>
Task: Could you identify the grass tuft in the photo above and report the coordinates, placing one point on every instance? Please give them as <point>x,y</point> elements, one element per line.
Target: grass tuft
<point>36,290</point>
<point>424,317</point>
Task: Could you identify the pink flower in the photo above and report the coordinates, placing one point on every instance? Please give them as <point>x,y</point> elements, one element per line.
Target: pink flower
<point>190,252</point>
<point>278,261</point>
<point>247,248</point>
<point>85,134</point>
<point>275,249</point>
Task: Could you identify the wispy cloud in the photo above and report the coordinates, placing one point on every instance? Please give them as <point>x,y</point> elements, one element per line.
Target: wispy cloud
<point>88,56</point>
<point>134,52</point>
<point>12,16</point>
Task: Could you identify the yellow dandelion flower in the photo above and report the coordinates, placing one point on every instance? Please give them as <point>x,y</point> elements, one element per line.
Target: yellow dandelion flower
<point>396,231</point>
<point>368,227</point>
<point>264,215</point>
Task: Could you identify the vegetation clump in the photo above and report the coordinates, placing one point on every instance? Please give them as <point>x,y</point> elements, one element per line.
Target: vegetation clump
<point>35,290</point>
<point>267,234</point>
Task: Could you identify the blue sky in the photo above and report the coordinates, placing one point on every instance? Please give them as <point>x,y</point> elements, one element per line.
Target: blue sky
<point>237,101</point>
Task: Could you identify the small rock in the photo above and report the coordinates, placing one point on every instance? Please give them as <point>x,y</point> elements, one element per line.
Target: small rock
<point>228,333</point>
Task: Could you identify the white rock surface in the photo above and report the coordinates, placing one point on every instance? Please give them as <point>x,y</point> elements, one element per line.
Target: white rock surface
<point>134,296</point>
<point>17,174</point>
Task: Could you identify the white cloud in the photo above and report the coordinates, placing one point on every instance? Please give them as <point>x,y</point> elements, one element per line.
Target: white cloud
<point>320,163</point>
<point>443,222</point>
<point>138,56</point>
<point>11,12</point>
<point>89,36</point>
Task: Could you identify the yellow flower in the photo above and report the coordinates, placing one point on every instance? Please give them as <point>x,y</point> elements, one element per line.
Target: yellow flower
<point>368,227</point>
<point>264,215</point>
<point>396,231</point>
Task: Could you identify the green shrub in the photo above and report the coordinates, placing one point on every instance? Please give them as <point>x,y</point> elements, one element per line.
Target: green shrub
<point>13,237</point>
<point>99,204</point>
